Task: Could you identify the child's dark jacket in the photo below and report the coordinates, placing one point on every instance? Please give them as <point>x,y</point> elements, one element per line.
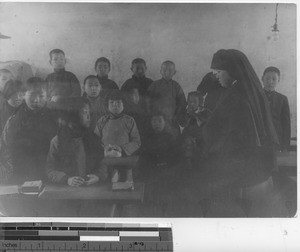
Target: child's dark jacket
<point>25,143</point>
<point>84,157</point>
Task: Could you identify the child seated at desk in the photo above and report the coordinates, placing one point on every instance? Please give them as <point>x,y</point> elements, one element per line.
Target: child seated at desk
<point>75,152</point>
<point>196,115</point>
<point>119,135</point>
<point>26,137</point>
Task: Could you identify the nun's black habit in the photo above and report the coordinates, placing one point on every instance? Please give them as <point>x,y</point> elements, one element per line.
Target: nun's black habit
<point>239,135</point>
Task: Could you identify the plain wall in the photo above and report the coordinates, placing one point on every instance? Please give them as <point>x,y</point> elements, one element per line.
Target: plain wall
<point>188,34</point>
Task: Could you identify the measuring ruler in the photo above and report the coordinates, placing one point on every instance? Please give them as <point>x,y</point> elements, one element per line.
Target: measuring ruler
<point>57,236</point>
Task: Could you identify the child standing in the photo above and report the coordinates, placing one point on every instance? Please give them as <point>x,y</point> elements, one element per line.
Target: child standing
<point>118,133</point>
<point>158,169</point>
<point>92,91</point>
<point>138,81</point>
<point>160,148</point>
<point>13,94</point>
<point>61,83</point>
<point>279,106</point>
<point>167,97</point>
<point>196,115</point>
<point>75,152</point>
<point>102,68</point>
<point>135,109</point>
<point>26,136</point>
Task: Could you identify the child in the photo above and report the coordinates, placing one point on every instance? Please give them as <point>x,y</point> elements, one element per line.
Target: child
<point>118,133</point>
<point>160,146</point>
<point>158,168</point>
<point>61,83</point>
<point>196,115</point>
<point>5,76</point>
<point>279,106</point>
<point>134,109</point>
<point>138,81</point>
<point>92,91</point>
<point>13,94</point>
<point>75,152</point>
<point>168,98</point>
<point>102,68</point>
<point>26,136</point>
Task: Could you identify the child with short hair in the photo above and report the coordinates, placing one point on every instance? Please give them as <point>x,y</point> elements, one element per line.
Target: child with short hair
<point>158,168</point>
<point>102,68</point>
<point>138,81</point>
<point>134,108</point>
<point>75,152</point>
<point>168,98</point>
<point>92,91</point>
<point>61,83</point>
<point>160,148</point>
<point>26,136</point>
<point>279,106</point>
<point>196,115</point>
<point>119,134</point>
<point>13,94</point>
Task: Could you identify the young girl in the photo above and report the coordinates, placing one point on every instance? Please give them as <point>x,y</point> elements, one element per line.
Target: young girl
<point>13,94</point>
<point>75,152</point>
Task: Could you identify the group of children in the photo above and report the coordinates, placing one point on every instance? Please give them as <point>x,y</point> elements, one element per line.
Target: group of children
<point>51,131</point>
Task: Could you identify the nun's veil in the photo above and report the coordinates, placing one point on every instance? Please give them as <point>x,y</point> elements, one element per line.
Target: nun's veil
<point>239,68</point>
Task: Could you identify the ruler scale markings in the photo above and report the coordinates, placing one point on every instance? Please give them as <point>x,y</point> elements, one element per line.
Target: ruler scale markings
<point>112,237</point>
<point>137,238</point>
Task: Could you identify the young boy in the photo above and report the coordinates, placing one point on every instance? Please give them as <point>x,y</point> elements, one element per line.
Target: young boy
<point>119,134</point>
<point>167,97</point>
<point>196,115</point>
<point>102,68</point>
<point>138,81</point>
<point>92,91</point>
<point>13,94</point>
<point>75,156</point>
<point>160,147</point>
<point>26,136</point>
<point>61,83</point>
<point>279,106</point>
<point>135,109</point>
<point>158,168</point>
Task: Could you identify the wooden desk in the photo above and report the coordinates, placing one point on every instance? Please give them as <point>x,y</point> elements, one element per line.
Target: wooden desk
<point>65,196</point>
<point>102,192</point>
<point>287,158</point>
<point>287,162</point>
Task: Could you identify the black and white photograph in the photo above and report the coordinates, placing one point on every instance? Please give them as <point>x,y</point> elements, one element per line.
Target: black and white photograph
<point>148,110</point>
